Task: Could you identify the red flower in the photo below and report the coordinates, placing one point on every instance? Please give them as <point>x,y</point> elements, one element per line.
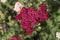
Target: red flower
<point>43,6</point>
<point>17,17</point>
<point>28,17</point>
<point>14,37</point>
<point>28,14</point>
<point>43,16</point>
<point>28,31</point>
<point>33,16</point>
<point>33,12</point>
<point>25,24</point>
<point>21,14</point>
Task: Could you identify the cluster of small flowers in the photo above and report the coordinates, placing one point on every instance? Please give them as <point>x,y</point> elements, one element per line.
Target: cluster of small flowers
<point>30,17</point>
<point>43,15</point>
<point>14,37</point>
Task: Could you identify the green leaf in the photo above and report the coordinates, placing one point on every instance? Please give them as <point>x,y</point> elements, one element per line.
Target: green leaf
<point>49,23</point>
<point>44,35</point>
<point>58,11</point>
<point>2,15</point>
<point>58,18</point>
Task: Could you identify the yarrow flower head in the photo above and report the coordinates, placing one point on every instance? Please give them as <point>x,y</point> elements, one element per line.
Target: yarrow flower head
<point>14,37</point>
<point>33,16</point>
<point>43,14</point>
<point>33,12</point>
<point>43,6</point>
<point>30,17</point>
<point>29,31</point>
<point>25,25</point>
<point>21,15</point>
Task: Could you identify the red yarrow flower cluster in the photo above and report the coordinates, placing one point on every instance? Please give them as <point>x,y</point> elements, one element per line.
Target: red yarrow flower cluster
<point>30,17</point>
<point>43,15</point>
<point>14,37</point>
